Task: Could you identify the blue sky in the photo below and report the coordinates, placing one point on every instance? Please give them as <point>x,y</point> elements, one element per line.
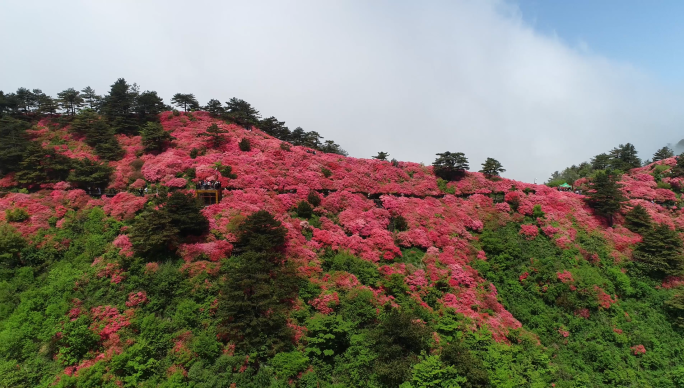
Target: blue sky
<point>646,34</point>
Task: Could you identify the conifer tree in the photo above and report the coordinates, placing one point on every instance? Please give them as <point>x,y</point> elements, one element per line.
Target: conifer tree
<point>185,101</point>
<point>638,220</point>
<point>678,169</point>
<point>245,144</point>
<point>13,143</point>
<point>660,252</point>
<point>381,155</point>
<point>153,233</point>
<point>663,153</point>
<point>215,107</point>
<point>154,137</point>
<point>89,173</point>
<point>98,133</point>
<point>451,166</point>
<point>215,135</point>
<point>70,100</point>
<point>491,168</point>
<point>118,107</point>
<point>242,113</point>
<point>91,99</point>
<point>275,128</point>
<point>148,105</point>
<point>605,195</point>
<point>254,302</point>
<point>185,212</point>
<point>624,158</point>
<point>40,165</point>
<point>600,161</point>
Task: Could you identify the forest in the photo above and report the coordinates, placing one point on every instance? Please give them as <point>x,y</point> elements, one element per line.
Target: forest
<point>317,269</point>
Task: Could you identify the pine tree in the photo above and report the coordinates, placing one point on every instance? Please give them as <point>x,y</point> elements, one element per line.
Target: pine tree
<point>450,166</point>
<point>600,161</point>
<point>13,143</point>
<point>185,212</point>
<point>605,195</point>
<point>381,155</point>
<point>153,234</point>
<point>253,304</point>
<point>70,100</point>
<point>638,220</point>
<point>90,98</point>
<point>304,210</point>
<point>215,108</point>
<point>88,173</point>
<point>215,135</point>
<point>491,168</point>
<point>98,134</point>
<point>154,137</point>
<point>624,158</point>
<point>275,128</point>
<point>678,169</point>
<point>118,107</point>
<point>660,252</point>
<point>245,144</point>
<point>242,113</point>
<point>663,153</point>
<point>148,106</point>
<point>41,165</point>
<point>185,101</point>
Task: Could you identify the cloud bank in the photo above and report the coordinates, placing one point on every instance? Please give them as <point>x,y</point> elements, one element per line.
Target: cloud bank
<point>409,78</point>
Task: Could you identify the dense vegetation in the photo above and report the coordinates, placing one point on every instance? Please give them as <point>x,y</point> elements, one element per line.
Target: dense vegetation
<point>315,269</point>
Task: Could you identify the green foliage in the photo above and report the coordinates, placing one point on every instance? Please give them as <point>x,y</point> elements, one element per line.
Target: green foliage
<point>13,143</point>
<point>226,171</point>
<point>304,210</point>
<point>675,306</point>
<point>663,153</point>
<point>241,113</point>
<point>18,214</point>
<point>98,134</point>
<point>252,308</point>
<point>605,195</point>
<point>678,169</point>
<point>216,136</point>
<point>638,220</point>
<point>245,144</point>
<point>313,198</point>
<point>119,107</point>
<point>442,185</point>
<point>366,272</point>
<point>660,252</point>
<point>185,212</point>
<point>458,356</point>
<point>327,336</point>
<point>537,212</point>
<point>76,341</point>
<point>326,172</point>
<point>288,365</point>
<point>193,153</point>
<point>430,372</point>
<point>185,101</point>
<point>41,165</point>
<point>624,158</point>
<point>381,156</point>
<point>155,137</point>
<point>450,166</point>
<point>492,168</point>
<point>153,233</point>
<point>398,224</point>
<point>11,245</point>
<point>398,340</point>
<point>88,173</point>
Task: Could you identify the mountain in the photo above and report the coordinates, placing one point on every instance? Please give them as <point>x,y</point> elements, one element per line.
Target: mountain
<point>321,270</point>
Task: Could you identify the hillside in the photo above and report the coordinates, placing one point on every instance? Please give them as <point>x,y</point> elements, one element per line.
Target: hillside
<point>385,275</point>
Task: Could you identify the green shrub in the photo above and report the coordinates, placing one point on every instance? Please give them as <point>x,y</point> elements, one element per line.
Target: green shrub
<point>18,214</point>
<point>193,153</point>
<point>285,146</point>
<point>366,272</point>
<point>326,172</point>
<point>304,210</point>
<point>245,144</point>
<point>313,198</point>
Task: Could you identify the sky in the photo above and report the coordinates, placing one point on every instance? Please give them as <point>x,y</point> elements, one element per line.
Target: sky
<point>538,85</point>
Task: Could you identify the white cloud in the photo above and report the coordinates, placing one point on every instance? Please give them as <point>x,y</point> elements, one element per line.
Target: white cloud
<point>410,78</point>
